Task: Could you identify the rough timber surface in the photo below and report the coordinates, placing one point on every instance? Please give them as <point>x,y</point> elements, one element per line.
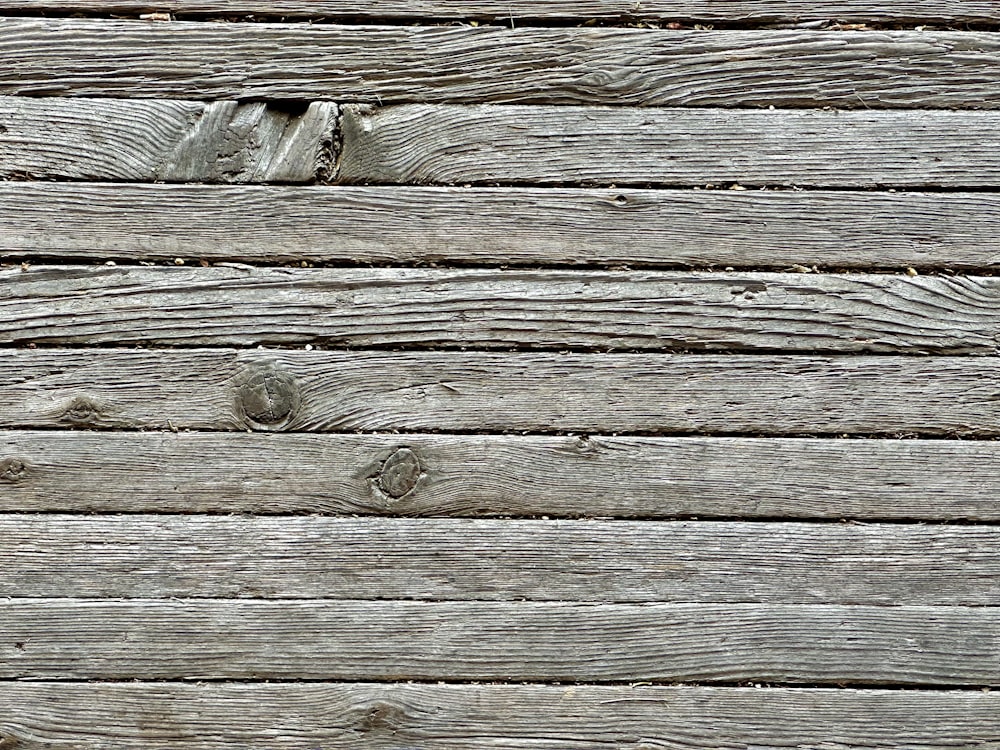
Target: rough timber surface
<point>173,141</point>
<point>152,557</point>
<point>491,308</point>
<point>491,475</point>
<point>73,639</point>
<point>162,716</point>
<point>534,226</point>
<point>479,391</point>
<point>760,11</point>
<point>392,64</point>
<point>426,143</point>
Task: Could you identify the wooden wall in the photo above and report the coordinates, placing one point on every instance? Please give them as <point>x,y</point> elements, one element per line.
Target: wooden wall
<point>499,374</point>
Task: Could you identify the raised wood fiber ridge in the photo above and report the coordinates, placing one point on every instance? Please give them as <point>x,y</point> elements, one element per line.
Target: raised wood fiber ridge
<point>161,716</point>
<point>406,225</point>
<point>75,639</point>
<point>172,141</point>
<point>391,64</point>
<point>224,389</point>
<point>158,557</point>
<point>763,11</point>
<point>483,475</point>
<point>518,144</point>
<point>496,308</point>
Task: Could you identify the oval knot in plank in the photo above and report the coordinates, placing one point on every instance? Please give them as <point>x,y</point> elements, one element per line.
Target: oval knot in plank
<point>267,396</point>
<point>83,411</point>
<point>12,470</point>
<point>399,474</point>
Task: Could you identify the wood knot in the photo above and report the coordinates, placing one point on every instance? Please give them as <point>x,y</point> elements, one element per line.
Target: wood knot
<point>399,474</point>
<point>268,396</point>
<point>82,411</point>
<point>8,742</point>
<point>381,716</point>
<point>12,470</point>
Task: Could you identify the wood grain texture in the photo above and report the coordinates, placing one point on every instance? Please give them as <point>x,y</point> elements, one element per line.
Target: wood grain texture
<point>518,641</point>
<point>591,145</point>
<point>761,11</point>
<point>470,391</point>
<point>415,225</point>
<point>392,64</point>
<point>158,716</point>
<point>172,141</point>
<point>158,557</point>
<point>492,308</point>
<point>483,475</point>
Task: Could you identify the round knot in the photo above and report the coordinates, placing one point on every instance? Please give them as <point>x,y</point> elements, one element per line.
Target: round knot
<point>268,396</point>
<point>399,474</point>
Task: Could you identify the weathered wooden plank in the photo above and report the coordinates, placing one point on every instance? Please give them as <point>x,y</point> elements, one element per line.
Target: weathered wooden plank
<point>98,57</point>
<point>156,557</point>
<point>489,475</point>
<point>476,391</point>
<point>761,11</point>
<point>120,139</point>
<point>493,308</point>
<point>407,225</point>
<point>517,144</point>
<point>158,716</point>
<point>531,641</point>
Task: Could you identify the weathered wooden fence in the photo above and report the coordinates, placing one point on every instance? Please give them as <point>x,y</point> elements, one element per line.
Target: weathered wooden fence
<point>500,374</point>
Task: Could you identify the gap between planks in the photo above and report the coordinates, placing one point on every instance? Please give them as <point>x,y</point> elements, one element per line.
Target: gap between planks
<point>503,11</point>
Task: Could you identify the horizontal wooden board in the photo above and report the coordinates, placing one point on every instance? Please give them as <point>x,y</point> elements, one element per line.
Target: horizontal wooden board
<point>522,641</point>
<point>491,475</point>
<point>150,557</point>
<point>159,716</point>
<point>324,391</point>
<point>173,141</point>
<point>416,225</point>
<point>763,11</point>
<point>390,64</point>
<point>447,144</point>
<point>495,308</point>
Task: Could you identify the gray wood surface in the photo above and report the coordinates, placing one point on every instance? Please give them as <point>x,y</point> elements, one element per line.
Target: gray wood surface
<point>766,11</point>
<point>99,716</point>
<point>150,557</point>
<point>414,225</point>
<point>447,144</point>
<point>491,308</point>
<point>496,475</point>
<point>173,141</point>
<point>477,391</point>
<point>390,64</point>
<point>519,641</point>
